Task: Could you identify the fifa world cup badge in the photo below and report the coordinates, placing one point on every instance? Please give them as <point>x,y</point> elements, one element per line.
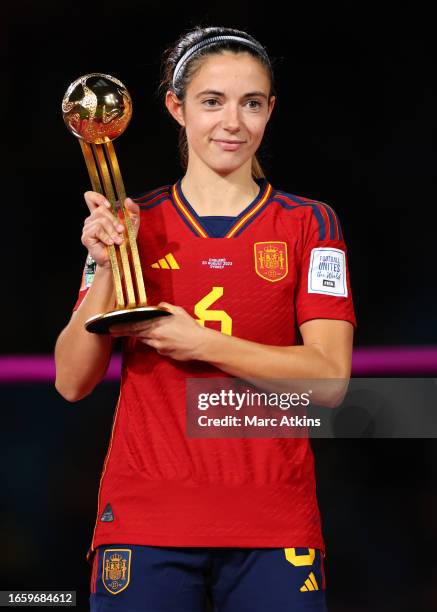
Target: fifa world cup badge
<point>116,569</point>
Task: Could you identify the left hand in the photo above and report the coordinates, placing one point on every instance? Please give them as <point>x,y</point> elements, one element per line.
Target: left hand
<point>178,336</point>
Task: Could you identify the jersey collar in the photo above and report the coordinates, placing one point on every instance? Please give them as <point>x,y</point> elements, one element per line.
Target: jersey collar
<point>194,222</point>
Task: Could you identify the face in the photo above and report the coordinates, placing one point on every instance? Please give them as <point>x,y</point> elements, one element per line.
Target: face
<point>225,111</point>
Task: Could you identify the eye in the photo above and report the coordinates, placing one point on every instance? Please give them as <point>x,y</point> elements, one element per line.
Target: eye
<point>258,104</point>
<point>210,100</point>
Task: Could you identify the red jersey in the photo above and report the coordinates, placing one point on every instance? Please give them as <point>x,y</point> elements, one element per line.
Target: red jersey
<point>281,262</point>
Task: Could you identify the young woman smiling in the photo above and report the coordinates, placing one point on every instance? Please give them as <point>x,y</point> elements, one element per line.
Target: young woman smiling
<point>258,286</point>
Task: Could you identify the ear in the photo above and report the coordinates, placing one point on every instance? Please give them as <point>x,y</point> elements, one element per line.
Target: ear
<point>175,107</point>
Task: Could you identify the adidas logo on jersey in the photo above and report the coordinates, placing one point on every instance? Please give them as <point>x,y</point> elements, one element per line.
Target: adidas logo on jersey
<point>168,262</point>
<point>310,584</point>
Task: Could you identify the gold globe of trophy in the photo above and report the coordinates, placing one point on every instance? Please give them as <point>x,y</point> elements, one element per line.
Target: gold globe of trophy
<point>97,109</point>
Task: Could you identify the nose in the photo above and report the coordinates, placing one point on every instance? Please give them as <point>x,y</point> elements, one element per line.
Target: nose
<point>231,120</point>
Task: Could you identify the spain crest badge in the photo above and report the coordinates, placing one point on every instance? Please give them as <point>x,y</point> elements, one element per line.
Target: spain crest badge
<point>271,260</point>
<point>116,569</point>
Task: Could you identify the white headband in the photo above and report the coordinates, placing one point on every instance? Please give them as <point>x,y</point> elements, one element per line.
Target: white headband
<point>209,41</point>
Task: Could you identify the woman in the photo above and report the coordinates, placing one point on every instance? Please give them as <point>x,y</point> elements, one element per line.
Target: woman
<point>257,283</point>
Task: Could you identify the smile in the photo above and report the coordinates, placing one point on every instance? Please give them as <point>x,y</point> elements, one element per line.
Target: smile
<point>228,146</point>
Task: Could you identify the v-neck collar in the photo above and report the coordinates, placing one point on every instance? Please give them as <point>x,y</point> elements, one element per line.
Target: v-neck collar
<point>241,221</point>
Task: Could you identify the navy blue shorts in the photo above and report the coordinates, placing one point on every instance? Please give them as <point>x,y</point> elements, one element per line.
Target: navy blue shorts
<point>199,579</point>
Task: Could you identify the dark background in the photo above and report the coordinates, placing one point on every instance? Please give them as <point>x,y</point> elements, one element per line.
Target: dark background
<point>352,127</point>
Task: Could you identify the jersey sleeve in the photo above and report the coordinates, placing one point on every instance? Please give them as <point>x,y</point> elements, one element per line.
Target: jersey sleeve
<point>88,273</point>
<point>323,287</point>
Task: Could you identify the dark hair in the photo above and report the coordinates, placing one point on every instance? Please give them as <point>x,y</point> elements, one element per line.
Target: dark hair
<point>174,53</point>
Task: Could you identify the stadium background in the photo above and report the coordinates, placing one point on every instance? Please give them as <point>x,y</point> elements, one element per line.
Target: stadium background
<point>352,127</point>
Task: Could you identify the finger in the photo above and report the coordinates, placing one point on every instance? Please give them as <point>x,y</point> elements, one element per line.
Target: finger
<point>132,211</point>
<point>107,226</point>
<point>94,236</point>
<point>132,206</point>
<point>156,344</point>
<point>94,200</point>
<point>106,238</point>
<point>131,328</point>
<point>170,307</point>
<point>122,328</point>
<point>102,213</point>
<point>126,327</point>
<point>116,332</point>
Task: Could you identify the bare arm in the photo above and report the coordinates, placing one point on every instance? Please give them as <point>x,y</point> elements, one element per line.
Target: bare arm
<point>325,354</point>
<point>82,358</point>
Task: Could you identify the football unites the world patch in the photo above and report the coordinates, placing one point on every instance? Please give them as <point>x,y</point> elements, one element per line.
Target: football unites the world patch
<point>327,272</point>
<point>271,260</point>
<point>116,569</point>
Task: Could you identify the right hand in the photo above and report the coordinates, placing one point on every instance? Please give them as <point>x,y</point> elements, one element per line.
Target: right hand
<point>102,228</point>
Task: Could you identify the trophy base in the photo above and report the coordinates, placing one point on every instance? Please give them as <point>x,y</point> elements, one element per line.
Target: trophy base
<point>100,324</point>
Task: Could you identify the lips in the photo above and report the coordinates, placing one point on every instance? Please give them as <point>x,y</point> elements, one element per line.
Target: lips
<point>229,145</point>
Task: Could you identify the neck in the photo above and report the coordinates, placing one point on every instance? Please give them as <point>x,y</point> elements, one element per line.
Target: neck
<point>210,193</point>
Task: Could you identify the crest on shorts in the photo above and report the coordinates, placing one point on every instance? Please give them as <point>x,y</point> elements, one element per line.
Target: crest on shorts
<point>116,569</point>
<point>271,261</point>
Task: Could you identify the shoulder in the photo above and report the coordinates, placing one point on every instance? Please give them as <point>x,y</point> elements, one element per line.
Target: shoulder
<point>313,214</point>
<point>152,197</point>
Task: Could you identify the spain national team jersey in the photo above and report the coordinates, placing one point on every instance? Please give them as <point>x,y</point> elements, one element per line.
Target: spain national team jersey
<point>279,263</point>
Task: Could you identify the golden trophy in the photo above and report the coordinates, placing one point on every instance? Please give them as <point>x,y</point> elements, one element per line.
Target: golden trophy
<point>97,109</point>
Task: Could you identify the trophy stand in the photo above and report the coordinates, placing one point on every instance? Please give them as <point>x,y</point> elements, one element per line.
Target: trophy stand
<point>97,109</point>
